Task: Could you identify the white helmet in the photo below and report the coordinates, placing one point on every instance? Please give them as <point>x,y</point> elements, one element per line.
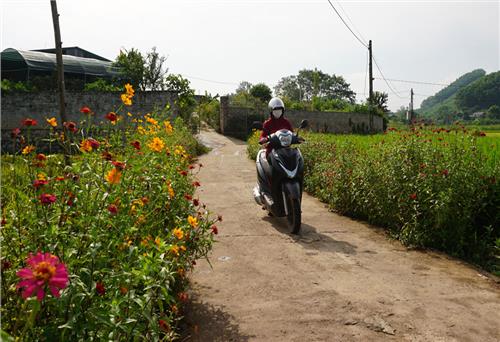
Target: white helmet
<point>276,107</point>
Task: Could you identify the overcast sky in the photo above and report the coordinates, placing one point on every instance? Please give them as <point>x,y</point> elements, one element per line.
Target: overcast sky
<point>261,41</point>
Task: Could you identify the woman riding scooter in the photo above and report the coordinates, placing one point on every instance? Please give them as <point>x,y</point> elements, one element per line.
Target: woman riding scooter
<point>275,122</point>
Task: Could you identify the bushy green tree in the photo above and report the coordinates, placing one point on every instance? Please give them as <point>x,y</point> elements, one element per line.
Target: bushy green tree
<point>132,67</point>
<point>185,101</point>
<point>314,83</point>
<point>380,100</point>
<point>262,92</point>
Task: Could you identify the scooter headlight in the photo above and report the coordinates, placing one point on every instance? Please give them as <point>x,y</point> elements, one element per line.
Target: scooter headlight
<point>285,138</point>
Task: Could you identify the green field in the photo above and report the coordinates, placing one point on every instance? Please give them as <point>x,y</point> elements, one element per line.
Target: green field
<point>429,187</point>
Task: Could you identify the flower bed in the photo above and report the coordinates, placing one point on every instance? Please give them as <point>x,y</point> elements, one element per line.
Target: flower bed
<point>430,187</point>
<point>98,246</point>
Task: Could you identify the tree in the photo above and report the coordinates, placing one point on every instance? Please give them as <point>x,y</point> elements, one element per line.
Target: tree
<point>154,72</point>
<point>288,87</point>
<point>262,92</point>
<point>244,87</point>
<point>131,63</point>
<point>493,112</point>
<point>315,83</point>
<point>481,94</point>
<point>380,100</point>
<point>185,99</point>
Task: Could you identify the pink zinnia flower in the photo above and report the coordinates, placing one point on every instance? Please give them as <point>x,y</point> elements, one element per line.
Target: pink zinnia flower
<point>43,270</point>
<point>47,198</point>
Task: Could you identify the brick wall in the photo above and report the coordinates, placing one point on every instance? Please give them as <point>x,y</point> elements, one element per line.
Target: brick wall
<point>40,105</point>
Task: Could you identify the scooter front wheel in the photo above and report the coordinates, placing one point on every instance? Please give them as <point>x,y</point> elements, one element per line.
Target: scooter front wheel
<point>294,215</point>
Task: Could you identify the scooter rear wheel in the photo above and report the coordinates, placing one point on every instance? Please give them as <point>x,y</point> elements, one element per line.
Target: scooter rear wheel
<point>294,216</point>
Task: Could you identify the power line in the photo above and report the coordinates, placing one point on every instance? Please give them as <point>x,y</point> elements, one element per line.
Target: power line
<point>354,34</point>
<point>211,81</point>
<point>352,23</point>
<point>416,82</point>
<point>387,82</point>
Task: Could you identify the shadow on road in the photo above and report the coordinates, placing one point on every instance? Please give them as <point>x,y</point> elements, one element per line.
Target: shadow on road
<point>310,238</point>
<point>204,322</point>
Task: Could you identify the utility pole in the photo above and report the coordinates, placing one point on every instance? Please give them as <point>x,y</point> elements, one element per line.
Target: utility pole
<point>412,115</point>
<point>370,85</point>
<point>60,75</point>
<point>60,67</point>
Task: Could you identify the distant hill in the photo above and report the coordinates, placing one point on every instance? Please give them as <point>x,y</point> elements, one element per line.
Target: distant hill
<point>474,91</point>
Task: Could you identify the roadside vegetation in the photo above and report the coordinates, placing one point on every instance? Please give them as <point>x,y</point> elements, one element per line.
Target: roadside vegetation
<point>429,186</point>
<point>99,246</point>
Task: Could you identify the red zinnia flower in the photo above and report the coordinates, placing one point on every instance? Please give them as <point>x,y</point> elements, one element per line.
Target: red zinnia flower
<point>99,287</point>
<point>15,132</point>
<point>183,296</point>
<point>43,270</point>
<point>70,126</point>
<point>188,197</point>
<point>183,173</point>
<point>107,156</point>
<point>41,157</point>
<point>113,209</point>
<point>191,167</point>
<point>111,116</point>
<point>215,230</point>
<point>413,196</point>
<point>85,110</point>
<point>196,202</point>
<point>119,165</point>
<point>38,183</point>
<point>196,183</point>
<point>136,144</point>
<point>29,122</point>
<point>6,264</point>
<point>93,143</point>
<point>163,325</point>
<point>47,198</point>
<point>445,172</point>
<point>481,134</point>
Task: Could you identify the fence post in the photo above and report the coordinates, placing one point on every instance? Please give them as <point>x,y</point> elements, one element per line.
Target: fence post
<point>224,104</point>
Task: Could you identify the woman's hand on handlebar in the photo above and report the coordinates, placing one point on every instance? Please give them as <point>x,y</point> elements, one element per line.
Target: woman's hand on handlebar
<point>264,140</point>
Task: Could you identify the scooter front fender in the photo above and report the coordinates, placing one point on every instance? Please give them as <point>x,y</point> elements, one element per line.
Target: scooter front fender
<point>292,189</point>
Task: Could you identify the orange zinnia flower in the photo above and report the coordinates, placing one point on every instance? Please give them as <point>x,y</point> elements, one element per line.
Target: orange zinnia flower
<point>113,176</point>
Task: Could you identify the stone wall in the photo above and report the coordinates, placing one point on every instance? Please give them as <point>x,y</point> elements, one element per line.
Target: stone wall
<point>17,106</point>
<point>237,121</point>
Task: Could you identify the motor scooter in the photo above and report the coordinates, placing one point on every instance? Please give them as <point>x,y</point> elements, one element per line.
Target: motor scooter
<point>280,176</point>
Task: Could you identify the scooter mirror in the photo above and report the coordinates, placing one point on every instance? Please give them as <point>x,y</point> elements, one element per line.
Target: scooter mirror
<point>304,123</point>
<point>257,125</point>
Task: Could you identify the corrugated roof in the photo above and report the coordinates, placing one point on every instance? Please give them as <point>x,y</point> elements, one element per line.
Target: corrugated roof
<point>43,61</point>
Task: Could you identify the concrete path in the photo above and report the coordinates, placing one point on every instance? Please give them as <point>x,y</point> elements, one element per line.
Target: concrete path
<point>341,280</point>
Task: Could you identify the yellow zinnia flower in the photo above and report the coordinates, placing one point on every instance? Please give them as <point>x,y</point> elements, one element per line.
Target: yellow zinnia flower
<point>175,249</point>
<point>126,99</point>
<point>28,149</point>
<point>156,144</point>
<point>171,192</point>
<point>193,221</point>
<point>151,121</point>
<point>41,177</point>
<point>178,233</point>
<point>113,176</point>
<point>168,127</point>
<point>129,90</point>
<point>85,146</point>
<point>52,122</point>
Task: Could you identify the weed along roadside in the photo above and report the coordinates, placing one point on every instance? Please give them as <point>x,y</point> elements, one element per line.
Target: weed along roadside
<point>430,187</point>
<point>101,249</point>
